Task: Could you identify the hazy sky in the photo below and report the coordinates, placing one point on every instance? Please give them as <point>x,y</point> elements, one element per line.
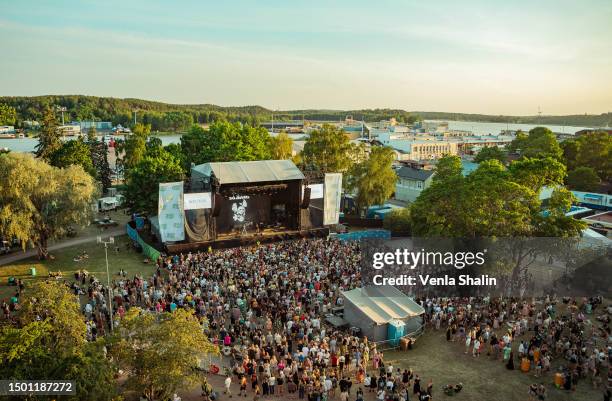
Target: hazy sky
<point>501,57</point>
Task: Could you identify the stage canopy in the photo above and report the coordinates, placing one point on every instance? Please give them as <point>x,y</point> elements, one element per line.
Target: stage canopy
<point>247,172</point>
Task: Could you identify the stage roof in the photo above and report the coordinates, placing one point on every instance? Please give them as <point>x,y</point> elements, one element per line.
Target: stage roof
<point>383,303</point>
<point>252,171</point>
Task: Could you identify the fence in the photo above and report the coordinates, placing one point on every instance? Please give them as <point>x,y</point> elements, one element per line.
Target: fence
<point>356,221</point>
<point>358,235</point>
<point>387,345</point>
<point>147,249</point>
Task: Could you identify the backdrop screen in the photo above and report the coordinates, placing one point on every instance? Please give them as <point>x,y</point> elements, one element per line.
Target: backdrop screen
<point>239,210</point>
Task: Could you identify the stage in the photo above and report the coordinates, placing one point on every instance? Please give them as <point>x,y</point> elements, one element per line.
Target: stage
<point>232,240</point>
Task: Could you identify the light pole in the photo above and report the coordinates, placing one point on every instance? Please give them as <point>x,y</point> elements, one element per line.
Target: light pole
<point>111,240</point>
<point>62,109</point>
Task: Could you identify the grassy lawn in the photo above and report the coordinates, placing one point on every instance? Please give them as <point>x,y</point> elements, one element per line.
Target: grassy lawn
<point>483,378</point>
<point>126,259</point>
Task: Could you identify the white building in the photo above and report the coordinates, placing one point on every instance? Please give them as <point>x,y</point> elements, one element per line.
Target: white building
<point>7,129</point>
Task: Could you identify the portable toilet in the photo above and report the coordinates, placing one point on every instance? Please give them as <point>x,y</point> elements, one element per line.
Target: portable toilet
<point>395,331</point>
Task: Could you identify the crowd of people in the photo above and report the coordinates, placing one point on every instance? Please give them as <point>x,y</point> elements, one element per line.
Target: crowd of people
<point>265,307</point>
<point>533,334</point>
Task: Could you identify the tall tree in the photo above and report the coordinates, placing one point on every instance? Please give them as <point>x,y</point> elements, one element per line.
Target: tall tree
<point>91,133</point>
<point>595,151</point>
<point>99,159</point>
<point>49,137</point>
<point>142,184</point>
<point>491,152</point>
<point>448,166</point>
<point>50,343</point>
<point>495,201</point>
<point>160,353</point>
<point>74,152</point>
<point>541,142</point>
<point>373,179</point>
<point>135,146</point>
<point>40,202</point>
<point>583,179</point>
<point>281,146</point>
<point>327,150</point>
<point>8,115</point>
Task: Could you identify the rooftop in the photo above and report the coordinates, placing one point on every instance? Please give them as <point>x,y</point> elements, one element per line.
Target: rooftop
<point>415,174</point>
<point>250,171</point>
<point>383,303</point>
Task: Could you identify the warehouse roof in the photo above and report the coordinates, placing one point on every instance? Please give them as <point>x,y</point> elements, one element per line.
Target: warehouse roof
<point>383,303</point>
<point>251,171</point>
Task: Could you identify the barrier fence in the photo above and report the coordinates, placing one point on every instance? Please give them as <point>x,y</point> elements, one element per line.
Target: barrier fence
<point>147,249</point>
<point>358,235</point>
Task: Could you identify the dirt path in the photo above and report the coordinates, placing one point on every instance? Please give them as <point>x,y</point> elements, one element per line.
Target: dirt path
<point>17,256</point>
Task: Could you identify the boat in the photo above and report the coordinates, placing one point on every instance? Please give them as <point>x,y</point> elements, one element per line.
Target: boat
<point>8,136</point>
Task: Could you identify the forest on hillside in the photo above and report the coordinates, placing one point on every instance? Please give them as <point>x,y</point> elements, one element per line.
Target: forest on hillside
<point>177,117</point>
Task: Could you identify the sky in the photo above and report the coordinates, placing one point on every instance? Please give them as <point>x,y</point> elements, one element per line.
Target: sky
<point>489,57</point>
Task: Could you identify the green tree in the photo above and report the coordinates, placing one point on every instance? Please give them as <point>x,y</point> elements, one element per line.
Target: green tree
<point>541,142</point>
<point>142,184</point>
<point>225,141</point>
<point>570,148</point>
<point>595,151</point>
<point>495,201</point>
<point>91,133</point>
<point>99,159</point>
<point>519,142</point>
<point>49,138</point>
<point>49,343</point>
<point>327,150</point>
<point>448,166</point>
<point>8,115</point>
<point>491,152</point>
<point>373,179</point>
<point>176,150</point>
<point>40,202</point>
<point>398,221</point>
<point>192,143</point>
<point>74,152</point>
<point>281,146</point>
<point>536,173</point>
<point>160,353</point>
<point>583,179</point>
<point>492,201</point>
<point>135,145</point>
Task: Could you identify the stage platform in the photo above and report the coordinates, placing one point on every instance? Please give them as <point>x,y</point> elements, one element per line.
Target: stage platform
<point>234,240</point>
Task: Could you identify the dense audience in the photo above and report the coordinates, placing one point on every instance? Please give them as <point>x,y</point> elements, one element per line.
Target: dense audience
<point>265,306</point>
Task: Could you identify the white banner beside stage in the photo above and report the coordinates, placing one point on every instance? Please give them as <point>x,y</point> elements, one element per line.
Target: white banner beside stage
<point>331,202</point>
<point>170,212</point>
<point>201,200</point>
<point>316,191</point>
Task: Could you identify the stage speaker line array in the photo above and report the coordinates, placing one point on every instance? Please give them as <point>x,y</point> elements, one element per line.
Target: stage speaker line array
<point>217,206</point>
<point>306,199</point>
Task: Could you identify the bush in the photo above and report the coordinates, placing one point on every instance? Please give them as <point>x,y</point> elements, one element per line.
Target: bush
<point>398,221</point>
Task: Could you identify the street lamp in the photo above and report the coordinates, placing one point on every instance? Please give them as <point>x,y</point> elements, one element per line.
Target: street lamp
<point>111,240</point>
<point>62,109</point>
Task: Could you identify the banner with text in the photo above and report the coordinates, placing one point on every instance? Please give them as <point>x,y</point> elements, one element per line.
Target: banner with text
<point>170,212</point>
<point>194,201</point>
<point>331,202</point>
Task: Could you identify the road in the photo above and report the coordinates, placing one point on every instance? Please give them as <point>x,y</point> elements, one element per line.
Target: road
<point>17,256</point>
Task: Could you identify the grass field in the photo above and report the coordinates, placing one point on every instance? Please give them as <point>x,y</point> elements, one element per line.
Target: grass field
<point>126,259</point>
<point>483,378</point>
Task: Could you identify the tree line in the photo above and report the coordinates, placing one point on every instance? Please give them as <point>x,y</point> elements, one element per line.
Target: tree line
<point>174,117</point>
<point>587,158</point>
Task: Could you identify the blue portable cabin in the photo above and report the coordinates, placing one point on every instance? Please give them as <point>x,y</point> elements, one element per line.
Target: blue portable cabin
<point>395,331</point>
